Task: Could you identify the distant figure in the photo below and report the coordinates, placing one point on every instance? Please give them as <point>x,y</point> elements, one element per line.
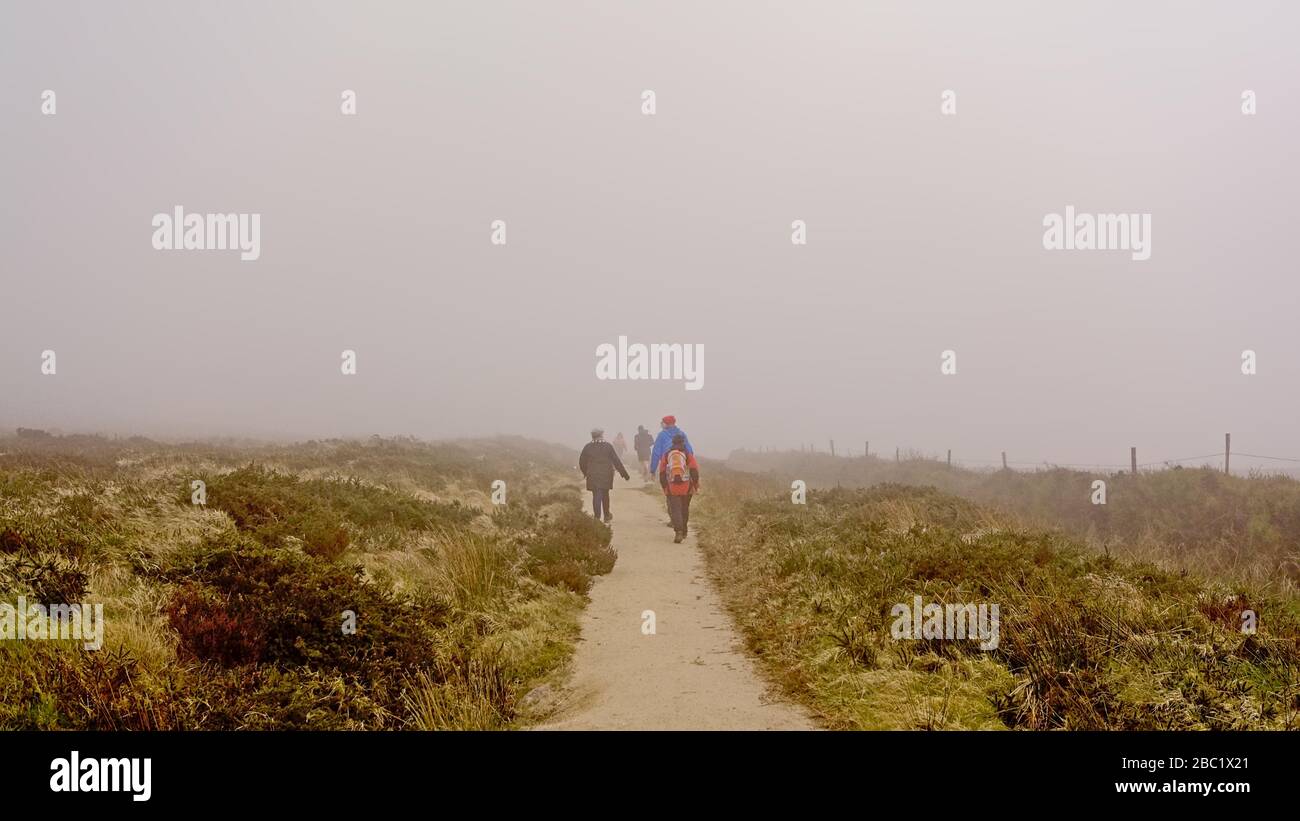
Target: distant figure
<point>620,444</point>
<point>643,442</point>
<point>679,476</point>
<point>598,462</point>
<point>664,441</point>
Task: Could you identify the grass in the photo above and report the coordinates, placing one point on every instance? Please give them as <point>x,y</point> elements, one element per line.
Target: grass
<point>325,585</point>
<point>1087,640</point>
<point>1199,520</point>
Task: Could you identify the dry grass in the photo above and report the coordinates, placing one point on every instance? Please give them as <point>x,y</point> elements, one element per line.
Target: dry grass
<point>1087,641</point>
<point>469,626</point>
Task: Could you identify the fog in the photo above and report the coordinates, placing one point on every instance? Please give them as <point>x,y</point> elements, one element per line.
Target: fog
<point>924,230</point>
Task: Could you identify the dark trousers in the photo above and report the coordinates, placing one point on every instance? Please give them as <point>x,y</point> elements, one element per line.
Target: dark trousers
<point>600,503</point>
<point>679,510</point>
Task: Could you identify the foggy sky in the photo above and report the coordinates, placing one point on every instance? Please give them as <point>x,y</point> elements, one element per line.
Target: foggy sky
<point>925,231</point>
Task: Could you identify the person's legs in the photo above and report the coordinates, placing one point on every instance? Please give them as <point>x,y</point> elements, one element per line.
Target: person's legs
<point>675,512</point>
<point>684,517</point>
<point>598,502</point>
<point>609,514</point>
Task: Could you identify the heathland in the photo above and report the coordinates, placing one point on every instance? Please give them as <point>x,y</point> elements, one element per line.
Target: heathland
<point>376,584</point>
<point>1168,608</point>
<point>331,584</point>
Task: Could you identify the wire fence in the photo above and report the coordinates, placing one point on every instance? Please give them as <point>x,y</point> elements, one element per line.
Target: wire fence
<point>1217,460</point>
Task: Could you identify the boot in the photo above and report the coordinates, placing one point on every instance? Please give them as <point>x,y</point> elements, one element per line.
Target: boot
<point>677,539</point>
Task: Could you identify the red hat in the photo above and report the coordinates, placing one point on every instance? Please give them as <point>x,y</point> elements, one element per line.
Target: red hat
<point>669,420</point>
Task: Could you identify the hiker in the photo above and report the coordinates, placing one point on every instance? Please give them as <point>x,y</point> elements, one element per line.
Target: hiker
<point>598,462</point>
<point>620,444</point>
<point>643,441</point>
<point>679,476</point>
<point>664,441</point>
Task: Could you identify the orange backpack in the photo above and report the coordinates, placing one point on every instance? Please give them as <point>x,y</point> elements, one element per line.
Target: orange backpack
<point>677,466</point>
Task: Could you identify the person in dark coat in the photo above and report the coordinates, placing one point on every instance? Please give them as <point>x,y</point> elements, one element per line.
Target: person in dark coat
<point>643,442</point>
<point>598,462</point>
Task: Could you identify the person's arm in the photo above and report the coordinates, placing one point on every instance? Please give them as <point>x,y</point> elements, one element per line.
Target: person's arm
<point>695,473</point>
<point>618,463</point>
<point>582,460</point>
<point>655,453</point>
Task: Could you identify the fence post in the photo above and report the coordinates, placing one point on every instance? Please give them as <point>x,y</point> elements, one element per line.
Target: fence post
<point>949,458</point>
<point>832,447</point>
<point>1004,460</point>
<point>1133,458</point>
<point>1227,451</point>
<point>896,459</point>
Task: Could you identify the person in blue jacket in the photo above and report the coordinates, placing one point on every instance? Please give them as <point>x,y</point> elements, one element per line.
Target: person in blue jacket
<point>664,443</point>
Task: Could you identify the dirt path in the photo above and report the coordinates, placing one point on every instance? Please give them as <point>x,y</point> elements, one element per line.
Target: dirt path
<point>692,674</point>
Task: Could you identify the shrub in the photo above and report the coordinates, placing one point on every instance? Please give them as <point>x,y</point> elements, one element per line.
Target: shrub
<point>50,578</point>
<point>211,630</point>
<point>324,537</point>
<point>571,548</point>
<point>271,506</point>
<point>292,606</point>
<point>242,628</point>
<point>1087,640</point>
<point>567,573</point>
